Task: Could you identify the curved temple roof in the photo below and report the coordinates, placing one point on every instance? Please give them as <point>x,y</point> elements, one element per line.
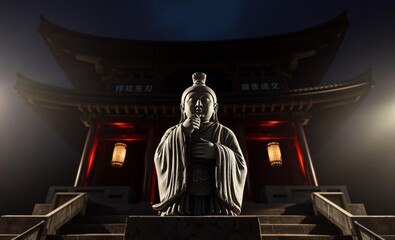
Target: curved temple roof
<point>62,37</point>
<point>97,57</point>
<point>88,61</point>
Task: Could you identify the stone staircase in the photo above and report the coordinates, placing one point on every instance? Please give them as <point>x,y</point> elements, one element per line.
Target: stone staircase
<point>102,222</point>
<point>292,221</point>
<point>277,221</point>
<point>108,209</point>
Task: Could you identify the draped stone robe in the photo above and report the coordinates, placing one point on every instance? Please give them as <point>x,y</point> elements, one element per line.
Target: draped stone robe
<point>172,162</point>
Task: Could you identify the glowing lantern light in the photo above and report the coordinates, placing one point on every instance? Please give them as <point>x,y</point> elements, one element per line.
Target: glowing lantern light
<point>273,149</point>
<point>118,156</point>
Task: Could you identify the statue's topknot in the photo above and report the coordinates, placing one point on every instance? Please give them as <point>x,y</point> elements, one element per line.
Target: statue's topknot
<point>199,78</point>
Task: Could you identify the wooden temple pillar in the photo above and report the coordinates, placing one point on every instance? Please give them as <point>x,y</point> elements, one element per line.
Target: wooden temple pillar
<point>308,163</point>
<point>86,155</point>
<point>148,164</point>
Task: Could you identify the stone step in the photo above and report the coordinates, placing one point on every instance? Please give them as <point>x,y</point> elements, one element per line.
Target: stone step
<point>93,228</point>
<point>124,209</point>
<point>247,205</point>
<point>5,236</point>
<point>278,211</point>
<point>41,209</point>
<point>248,209</point>
<point>303,237</point>
<point>102,219</point>
<point>291,219</point>
<point>18,224</point>
<point>319,229</point>
<point>104,210</point>
<point>87,237</point>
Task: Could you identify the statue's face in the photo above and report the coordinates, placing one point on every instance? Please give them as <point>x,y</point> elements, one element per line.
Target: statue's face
<point>201,104</point>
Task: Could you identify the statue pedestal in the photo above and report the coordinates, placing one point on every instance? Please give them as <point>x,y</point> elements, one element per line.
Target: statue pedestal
<point>192,228</point>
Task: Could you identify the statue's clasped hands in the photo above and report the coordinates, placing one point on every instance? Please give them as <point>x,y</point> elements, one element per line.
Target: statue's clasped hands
<point>203,149</point>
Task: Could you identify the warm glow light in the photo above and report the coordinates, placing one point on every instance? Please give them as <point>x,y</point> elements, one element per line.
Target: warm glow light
<point>270,123</point>
<point>119,154</point>
<point>122,125</point>
<point>273,150</point>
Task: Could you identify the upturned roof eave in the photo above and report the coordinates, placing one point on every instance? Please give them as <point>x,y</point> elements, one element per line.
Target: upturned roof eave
<point>96,57</point>
<point>49,95</point>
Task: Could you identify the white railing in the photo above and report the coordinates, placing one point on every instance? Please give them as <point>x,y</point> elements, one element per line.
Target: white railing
<point>32,233</point>
<point>366,234</point>
<point>348,223</point>
<point>65,212</point>
<point>334,213</point>
<point>74,203</point>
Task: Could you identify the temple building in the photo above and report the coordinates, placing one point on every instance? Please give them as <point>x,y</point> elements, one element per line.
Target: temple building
<point>126,93</point>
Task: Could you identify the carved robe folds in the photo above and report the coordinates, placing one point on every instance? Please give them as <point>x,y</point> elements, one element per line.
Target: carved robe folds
<point>190,186</point>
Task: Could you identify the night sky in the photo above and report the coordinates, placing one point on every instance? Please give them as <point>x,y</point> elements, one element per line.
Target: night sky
<point>361,155</point>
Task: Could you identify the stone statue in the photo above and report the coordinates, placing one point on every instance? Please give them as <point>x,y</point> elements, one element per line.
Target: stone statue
<point>199,164</point>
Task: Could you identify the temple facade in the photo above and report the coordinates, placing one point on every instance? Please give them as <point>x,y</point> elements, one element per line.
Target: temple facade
<point>126,93</point>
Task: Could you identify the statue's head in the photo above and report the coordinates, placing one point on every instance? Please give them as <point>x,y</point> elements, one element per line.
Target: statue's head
<point>200,100</point>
